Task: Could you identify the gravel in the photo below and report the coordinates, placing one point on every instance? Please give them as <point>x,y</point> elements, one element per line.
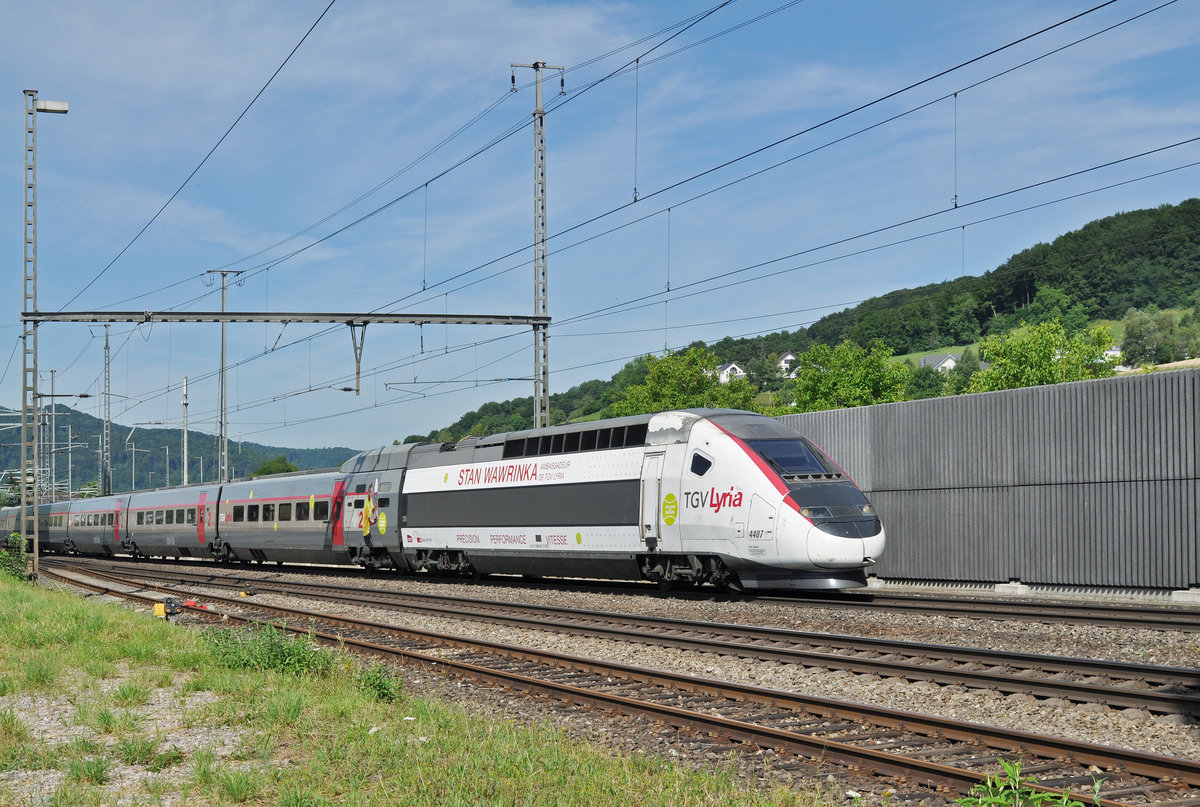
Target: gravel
<point>1130,728</point>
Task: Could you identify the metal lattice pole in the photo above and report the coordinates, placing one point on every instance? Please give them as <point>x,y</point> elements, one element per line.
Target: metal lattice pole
<point>541,304</point>
<point>29,375</point>
<point>106,481</point>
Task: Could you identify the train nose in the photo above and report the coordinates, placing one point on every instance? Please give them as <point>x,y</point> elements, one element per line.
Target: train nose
<point>835,551</point>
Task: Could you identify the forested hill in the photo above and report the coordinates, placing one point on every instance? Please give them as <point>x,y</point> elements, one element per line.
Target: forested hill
<point>1097,272</point>
<point>1124,261</point>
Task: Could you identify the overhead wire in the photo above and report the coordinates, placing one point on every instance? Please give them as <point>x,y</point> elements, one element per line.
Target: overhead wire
<point>858,108</point>
<point>200,165</point>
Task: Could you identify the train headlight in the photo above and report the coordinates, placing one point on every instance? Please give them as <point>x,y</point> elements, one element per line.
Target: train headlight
<point>867,510</point>
<point>816,512</point>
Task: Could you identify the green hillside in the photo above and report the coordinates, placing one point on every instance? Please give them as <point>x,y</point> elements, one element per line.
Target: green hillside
<point>1129,260</point>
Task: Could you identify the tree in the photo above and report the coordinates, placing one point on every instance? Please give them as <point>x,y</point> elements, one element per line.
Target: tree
<point>1043,354</point>
<point>958,380</point>
<point>925,382</point>
<point>682,381</point>
<point>1154,337</point>
<point>279,465</point>
<point>848,375</point>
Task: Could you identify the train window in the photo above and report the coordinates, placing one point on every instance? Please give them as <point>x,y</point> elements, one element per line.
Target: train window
<point>587,441</point>
<point>358,504</point>
<point>302,511</point>
<point>252,512</point>
<point>91,517</point>
<point>384,487</point>
<point>571,442</point>
<point>700,464</point>
<point>170,516</point>
<point>789,456</point>
<point>158,516</point>
<point>268,512</point>
<point>285,511</point>
<point>179,516</point>
<point>239,512</point>
<point>360,489</point>
<point>603,438</point>
<point>514,449</point>
<point>384,503</point>
<point>321,510</point>
<point>110,519</point>
<point>636,435</point>
<point>556,444</point>
<point>141,518</point>
<point>191,515</point>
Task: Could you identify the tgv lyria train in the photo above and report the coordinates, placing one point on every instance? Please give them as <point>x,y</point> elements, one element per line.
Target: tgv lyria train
<point>699,495</point>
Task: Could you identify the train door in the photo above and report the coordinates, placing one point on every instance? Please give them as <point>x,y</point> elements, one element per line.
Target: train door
<point>760,539</point>
<point>200,520</point>
<point>335,518</point>
<point>651,520</point>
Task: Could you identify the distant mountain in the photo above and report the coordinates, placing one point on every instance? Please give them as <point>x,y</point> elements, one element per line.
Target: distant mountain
<point>153,446</point>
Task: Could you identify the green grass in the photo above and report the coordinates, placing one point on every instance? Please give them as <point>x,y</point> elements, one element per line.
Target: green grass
<point>290,723</point>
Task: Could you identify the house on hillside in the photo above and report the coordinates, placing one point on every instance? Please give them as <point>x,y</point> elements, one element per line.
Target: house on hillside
<point>785,364</point>
<point>728,372</point>
<point>942,362</point>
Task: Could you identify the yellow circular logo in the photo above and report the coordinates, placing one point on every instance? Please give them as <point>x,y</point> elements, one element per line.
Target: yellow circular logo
<point>579,537</point>
<point>383,523</point>
<point>670,509</point>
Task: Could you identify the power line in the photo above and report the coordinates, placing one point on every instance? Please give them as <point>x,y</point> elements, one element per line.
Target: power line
<point>178,190</point>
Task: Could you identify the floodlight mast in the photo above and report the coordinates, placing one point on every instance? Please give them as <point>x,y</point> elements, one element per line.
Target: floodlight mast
<point>29,375</point>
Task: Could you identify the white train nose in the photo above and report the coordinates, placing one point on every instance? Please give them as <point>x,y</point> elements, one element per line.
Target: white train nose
<point>834,551</point>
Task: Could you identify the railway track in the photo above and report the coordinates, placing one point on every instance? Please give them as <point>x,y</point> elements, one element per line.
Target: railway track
<point>1156,689</point>
<point>918,753</point>
<point>1045,610</point>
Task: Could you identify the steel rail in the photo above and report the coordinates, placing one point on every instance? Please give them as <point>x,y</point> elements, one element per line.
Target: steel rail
<point>746,642</point>
<point>1173,617</point>
<point>1168,771</point>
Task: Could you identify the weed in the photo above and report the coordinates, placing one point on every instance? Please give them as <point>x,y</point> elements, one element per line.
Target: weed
<point>379,681</point>
<point>240,785</point>
<point>298,797</point>
<point>6,686</point>
<point>166,759</point>
<point>12,557</point>
<point>284,708</point>
<point>40,672</point>
<point>268,648</point>
<point>90,771</point>
<point>1011,789</point>
<point>131,694</point>
<point>137,750</point>
<point>13,730</point>
<point>105,721</point>
<point>202,772</point>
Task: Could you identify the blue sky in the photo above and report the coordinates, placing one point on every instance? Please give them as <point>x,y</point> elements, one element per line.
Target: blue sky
<point>361,115</point>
